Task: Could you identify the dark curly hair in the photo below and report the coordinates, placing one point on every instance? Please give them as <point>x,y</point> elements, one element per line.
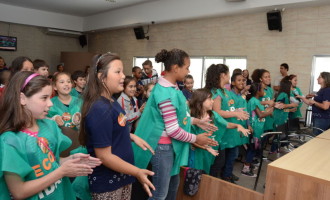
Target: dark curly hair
<point>172,57</point>
<point>257,74</point>
<point>212,77</point>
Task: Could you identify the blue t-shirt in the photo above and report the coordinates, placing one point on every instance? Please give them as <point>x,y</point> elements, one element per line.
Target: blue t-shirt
<point>106,126</point>
<point>322,95</point>
<point>187,93</point>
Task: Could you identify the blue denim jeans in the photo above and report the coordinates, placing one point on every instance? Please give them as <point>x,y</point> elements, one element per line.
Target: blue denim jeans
<point>165,184</point>
<point>321,123</point>
<point>231,155</point>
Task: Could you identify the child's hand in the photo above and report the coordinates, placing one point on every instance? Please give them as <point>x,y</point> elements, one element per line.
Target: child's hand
<point>142,107</point>
<point>279,105</point>
<point>206,125</point>
<point>73,168</point>
<point>58,119</point>
<point>241,114</point>
<point>245,132</point>
<point>87,159</point>
<point>203,139</point>
<point>142,176</point>
<point>212,151</point>
<point>250,129</point>
<point>141,143</point>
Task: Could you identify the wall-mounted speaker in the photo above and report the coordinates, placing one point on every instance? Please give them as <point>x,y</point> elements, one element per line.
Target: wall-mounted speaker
<point>139,33</point>
<point>82,40</point>
<point>274,20</point>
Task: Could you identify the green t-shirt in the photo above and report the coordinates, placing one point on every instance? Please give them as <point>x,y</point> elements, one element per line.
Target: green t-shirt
<point>202,158</point>
<point>256,122</point>
<point>297,114</point>
<point>151,126</point>
<point>240,103</point>
<point>4,193</point>
<point>70,114</point>
<point>75,93</point>
<point>281,115</point>
<point>269,95</point>
<point>232,137</point>
<point>34,157</point>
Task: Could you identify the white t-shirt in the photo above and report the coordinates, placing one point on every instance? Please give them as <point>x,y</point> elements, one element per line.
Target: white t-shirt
<point>278,80</point>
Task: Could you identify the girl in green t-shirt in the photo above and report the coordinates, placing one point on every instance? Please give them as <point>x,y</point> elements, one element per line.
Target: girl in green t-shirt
<point>257,120</point>
<point>66,108</point>
<point>263,76</point>
<point>31,145</point>
<point>201,104</point>
<point>295,92</point>
<point>217,76</point>
<point>281,115</point>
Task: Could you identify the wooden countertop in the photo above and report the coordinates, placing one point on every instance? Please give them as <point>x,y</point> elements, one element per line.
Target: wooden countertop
<point>324,135</point>
<point>310,160</point>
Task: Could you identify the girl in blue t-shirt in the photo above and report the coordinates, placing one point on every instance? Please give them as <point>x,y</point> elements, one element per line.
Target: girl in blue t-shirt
<point>31,145</point>
<point>105,133</point>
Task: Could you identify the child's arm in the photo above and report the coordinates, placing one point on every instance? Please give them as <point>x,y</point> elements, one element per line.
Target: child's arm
<point>23,189</point>
<point>270,103</point>
<point>115,163</point>
<point>239,127</point>
<point>263,114</point>
<point>238,113</point>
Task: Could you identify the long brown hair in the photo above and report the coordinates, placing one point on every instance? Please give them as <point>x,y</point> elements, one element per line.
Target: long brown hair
<point>13,116</point>
<point>94,88</point>
<point>196,102</point>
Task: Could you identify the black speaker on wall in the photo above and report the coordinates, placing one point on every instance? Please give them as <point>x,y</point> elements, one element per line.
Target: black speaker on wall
<point>82,40</point>
<point>274,20</point>
<point>139,33</point>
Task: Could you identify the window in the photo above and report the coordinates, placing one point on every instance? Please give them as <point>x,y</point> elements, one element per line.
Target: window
<point>199,65</point>
<point>320,64</point>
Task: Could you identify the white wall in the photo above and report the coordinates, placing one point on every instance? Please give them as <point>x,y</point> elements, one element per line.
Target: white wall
<point>27,16</point>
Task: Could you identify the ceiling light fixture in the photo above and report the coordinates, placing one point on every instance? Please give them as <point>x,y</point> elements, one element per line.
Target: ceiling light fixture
<point>111,1</point>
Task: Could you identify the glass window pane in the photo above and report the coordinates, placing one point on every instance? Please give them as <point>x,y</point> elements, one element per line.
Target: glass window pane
<point>196,69</point>
<point>234,63</point>
<point>321,64</point>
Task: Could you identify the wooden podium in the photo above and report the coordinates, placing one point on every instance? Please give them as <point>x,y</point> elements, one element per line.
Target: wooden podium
<point>303,174</point>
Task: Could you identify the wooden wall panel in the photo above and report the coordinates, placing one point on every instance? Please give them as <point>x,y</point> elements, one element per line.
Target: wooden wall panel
<point>215,189</point>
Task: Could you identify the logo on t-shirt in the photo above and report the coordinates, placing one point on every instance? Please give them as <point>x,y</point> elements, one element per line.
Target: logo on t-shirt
<point>122,119</point>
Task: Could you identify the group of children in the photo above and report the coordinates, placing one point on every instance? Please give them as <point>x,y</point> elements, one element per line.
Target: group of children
<point>201,128</point>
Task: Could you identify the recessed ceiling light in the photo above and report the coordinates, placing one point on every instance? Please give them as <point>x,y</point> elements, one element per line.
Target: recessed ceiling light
<point>111,1</point>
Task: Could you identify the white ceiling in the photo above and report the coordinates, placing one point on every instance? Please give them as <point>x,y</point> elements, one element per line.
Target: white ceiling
<point>80,8</point>
<point>90,15</point>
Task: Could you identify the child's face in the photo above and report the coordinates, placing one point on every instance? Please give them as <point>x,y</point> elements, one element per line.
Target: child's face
<point>183,71</point>
<point>115,77</point>
<point>130,89</point>
<point>80,82</point>
<point>239,82</point>
<point>189,83</point>
<point>224,78</point>
<point>63,84</point>
<point>60,68</point>
<point>147,69</point>
<point>149,91</point>
<point>39,103</point>
<point>208,104</point>
<point>43,71</point>
<point>294,82</point>
<point>138,74</point>
<point>27,66</point>
<point>265,78</point>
